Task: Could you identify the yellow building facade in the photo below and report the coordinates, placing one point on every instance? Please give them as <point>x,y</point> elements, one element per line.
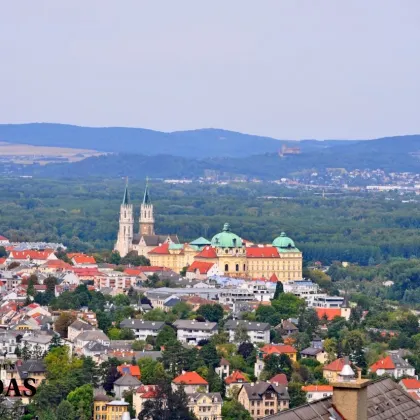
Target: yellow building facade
<point>279,261</point>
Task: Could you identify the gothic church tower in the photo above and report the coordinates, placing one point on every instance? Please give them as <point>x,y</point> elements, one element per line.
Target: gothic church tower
<point>147,221</point>
<point>125,233</point>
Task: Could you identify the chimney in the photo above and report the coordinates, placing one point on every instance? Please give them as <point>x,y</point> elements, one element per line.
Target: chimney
<point>350,394</point>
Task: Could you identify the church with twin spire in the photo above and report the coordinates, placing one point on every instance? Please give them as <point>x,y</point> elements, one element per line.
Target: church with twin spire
<point>226,254</point>
<point>146,239</point>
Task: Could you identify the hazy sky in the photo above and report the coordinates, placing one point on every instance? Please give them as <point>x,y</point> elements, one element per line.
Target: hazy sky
<point>287,69</point>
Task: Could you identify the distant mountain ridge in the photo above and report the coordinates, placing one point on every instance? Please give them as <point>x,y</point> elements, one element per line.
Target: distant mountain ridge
<point>195,143</point>
<point>137,152</point>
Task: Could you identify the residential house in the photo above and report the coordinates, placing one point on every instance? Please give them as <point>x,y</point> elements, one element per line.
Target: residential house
<point>191,331</point>
<point>393,365</point>
<point>83,261</point>
<point>192,383</point>
<point>279,379</point>
<point>412,386</point>
<point>287,328</point>
<point>269,349</point>
<point>8,341</point>
<point>77,327</point>
<point>206,406</point>
<point>331,371</point>
<point>31,369</point>
<point>133,370</point>
<point>223,369</point>
<point>315,351</point>
<point>125,383</point>
<point>258,332</point>
<point>104,409</point>
<point>142,329</point>
<point>143,393</point>
<point>35,257</point>
<point>317,392</point>
<point>85,337</point>
<point>234,382</point>
<point>36,342</point>
<point>201,270</point>
<point>262,399</point>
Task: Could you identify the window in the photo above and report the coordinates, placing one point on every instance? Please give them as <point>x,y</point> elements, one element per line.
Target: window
<point>237,267</point>
<point>226,267</point>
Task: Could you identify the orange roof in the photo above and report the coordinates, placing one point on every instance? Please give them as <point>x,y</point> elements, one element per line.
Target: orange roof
<point>31,254</point>
<point>414,395</point>
<point>411,383</point>
<point>190,378</point>
<point>336,366</point>
<point>2,260</point>
<point>236,377</point>
<point>280,378</point>
<point>265,252</point>
<point>385,363</point>
<point>278,349</point>
<point>83,259</point>
<point>317,388</point>
<point>274,278</point>
<point>147,391</point>
<point>132,271</point>
<point>207,252</point>
<point>330,312</point>
<point>202,267</point>
<point>86,271</point>
<point>161,249</point>
<point>57,264</point>
<point>132,370</point>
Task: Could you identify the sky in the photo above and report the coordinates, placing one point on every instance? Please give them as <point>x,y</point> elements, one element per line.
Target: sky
<point>294,69</point>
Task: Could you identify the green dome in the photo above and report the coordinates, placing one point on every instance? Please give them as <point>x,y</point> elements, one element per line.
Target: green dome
<point>283,241</point>
<point>226,239</point>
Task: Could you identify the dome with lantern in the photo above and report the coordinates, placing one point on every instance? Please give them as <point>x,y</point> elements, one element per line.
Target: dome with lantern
<point>226,239</point>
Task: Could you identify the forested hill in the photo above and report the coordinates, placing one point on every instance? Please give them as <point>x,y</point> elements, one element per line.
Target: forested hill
<point>202,143</point>
<point>196,143</point>
<point>390,155</point>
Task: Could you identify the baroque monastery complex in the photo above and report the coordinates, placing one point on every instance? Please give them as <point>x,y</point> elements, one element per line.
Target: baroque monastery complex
<point>226,254</point>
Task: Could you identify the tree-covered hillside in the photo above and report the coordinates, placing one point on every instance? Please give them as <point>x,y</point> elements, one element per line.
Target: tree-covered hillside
<point>84,216</point>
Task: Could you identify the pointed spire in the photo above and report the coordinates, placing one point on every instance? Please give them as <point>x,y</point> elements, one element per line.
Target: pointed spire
<point>146,198</point>
<point>125,198</point>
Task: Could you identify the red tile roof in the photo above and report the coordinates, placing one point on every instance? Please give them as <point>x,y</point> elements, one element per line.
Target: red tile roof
<point>207,252</point>
<point>263,252</point>
<point>2,260</point>
<point>274,278</point>
<point>86,272</point>
<point>236,377</point>
<point>190,378</point>
<point>30,254</point>
<point>83,259</point>
<point>132,370</point>
<point>411,383</point>
<point>3,238</point>
<point>335,366</point>
<point>330,312</point>
<point>202,267</point>
<point>147,391</point>
<point>161,249</point>
<point>385,363</point>
<point>278,349</point>
<point>280,378</point>
<point>414,395</point>
<point>57,264</point>
<point>317,388</point>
